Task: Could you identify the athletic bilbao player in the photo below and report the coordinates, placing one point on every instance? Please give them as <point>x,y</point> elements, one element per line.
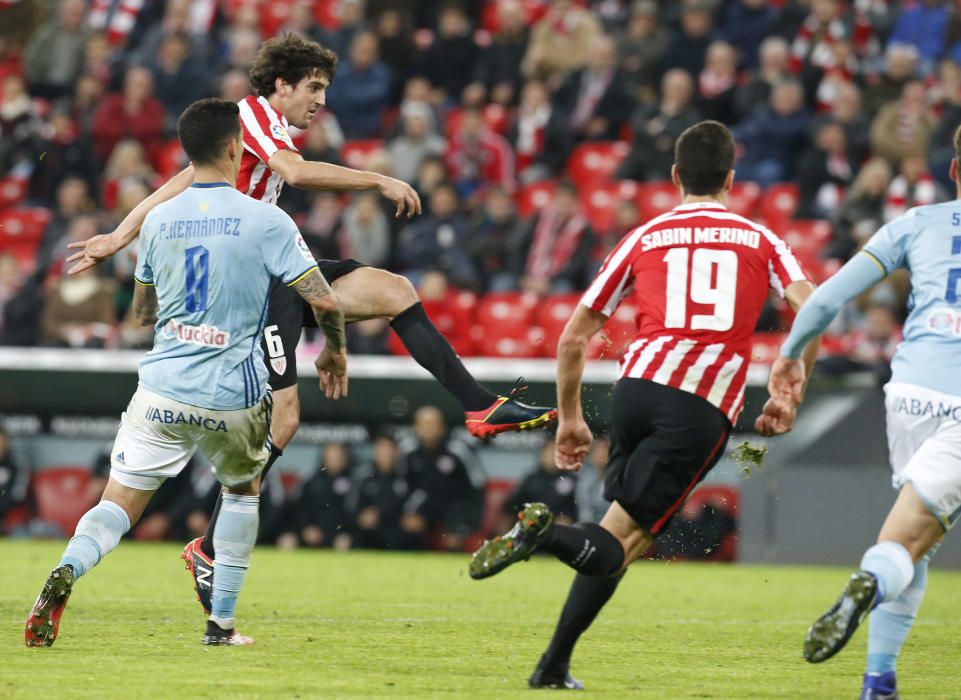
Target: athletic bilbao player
<point>699,276</point>
<point>290,77</point>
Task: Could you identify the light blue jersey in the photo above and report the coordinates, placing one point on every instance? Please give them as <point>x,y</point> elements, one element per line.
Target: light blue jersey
<point>211,253</point>
<point>926,241</point>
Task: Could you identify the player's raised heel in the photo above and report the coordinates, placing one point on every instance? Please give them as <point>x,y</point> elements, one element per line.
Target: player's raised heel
<point>550,678</point>
<point>834,628</point>
<point>508,414</point>
<point>532,528</point>
<point>201,569</point>
<point>43,622</point>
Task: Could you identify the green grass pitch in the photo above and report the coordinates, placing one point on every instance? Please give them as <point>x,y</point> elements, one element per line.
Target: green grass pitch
<point>366,625</point>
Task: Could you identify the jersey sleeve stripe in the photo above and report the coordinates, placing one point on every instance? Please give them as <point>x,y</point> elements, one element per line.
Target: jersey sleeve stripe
<point>262,145</point>
<point>141,282</point>
<point>877,262</point>
<point>300,277</point>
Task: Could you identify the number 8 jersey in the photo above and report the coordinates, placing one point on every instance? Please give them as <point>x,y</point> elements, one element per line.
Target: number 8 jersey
<point>699,276</point>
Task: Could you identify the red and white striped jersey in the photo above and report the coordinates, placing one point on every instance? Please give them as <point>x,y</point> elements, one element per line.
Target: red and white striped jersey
<point>699,276</point>
<point>265,133</point>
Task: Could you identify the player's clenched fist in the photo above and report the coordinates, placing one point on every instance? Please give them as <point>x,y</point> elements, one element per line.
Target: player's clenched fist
<point>777,417</point>
<point>570,446</point>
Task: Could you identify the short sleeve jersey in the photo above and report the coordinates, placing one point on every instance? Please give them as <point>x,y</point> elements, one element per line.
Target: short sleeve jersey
<point>211,253</point>
<point>926,241</point>
<point>699,276</point>
<point>265,133</point>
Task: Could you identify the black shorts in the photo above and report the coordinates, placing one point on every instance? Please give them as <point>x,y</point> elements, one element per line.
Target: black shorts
<point>663,442</point>
<point>287,314</point>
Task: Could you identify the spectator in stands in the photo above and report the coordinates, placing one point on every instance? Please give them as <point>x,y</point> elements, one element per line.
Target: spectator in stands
<point>73,199</point>
<point>128,161</point>
<point>66,154</point>
<point>553,254</point>
<point>234,85</point>
<point>913,186</point>
<point>380,501</point>
<point>922,25</point>
<point>321,141</point>
<point>397,48</point>
<point>78,228</point>
<point>53,57</point>
<point>941,145</point>
<point>746,24</point>
<point>477,157</point>
<point>20,127</point>
<point>241,46</point>
<point>359,93</point>
<point>495,229</point>
<point>544,484</point>
<point>417,140</point>
<point>179,77</point>
<point>497,67</point>
<point>21,315</point>
<point>368,337</point>
<point>717,84</point>
<point>322,224</point>
<point>449,62</point>
<point>626,219</point>
<point>539,135</point>
<point>900,68</point>
<point>772,138</point>
<point>323,512</point>
<point>438,240</point>
<point>657,126</point>
<point>688,47</point>
<point>811,46</point>
<point>176,22</point>
<point>847,112</point>
<point>773,69</point>
<point>825,170</point>
<point>100,60</point>
<point>869,346</point>
<point>560,42</point>
<point>134,113</point>
<point>365,232</point>
<point>13,478</point>
<point>903,128</point>
<point>596,98</point>
<point>352,22</point>
<point>589,494</point>
<point>11,280</point>
<point>79,311</point>
<point>640,48</point>
<point>862,211</point>
<point>87,94</point>
<point>446,484</point>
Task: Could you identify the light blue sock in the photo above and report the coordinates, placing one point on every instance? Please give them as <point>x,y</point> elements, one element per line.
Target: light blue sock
<point>234,537</point>
<point>892,566</point>
<point>97,533</point>
<point>891,622</point>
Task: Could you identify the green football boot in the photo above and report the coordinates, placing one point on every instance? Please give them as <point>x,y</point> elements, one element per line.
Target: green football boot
<point>532,528</point>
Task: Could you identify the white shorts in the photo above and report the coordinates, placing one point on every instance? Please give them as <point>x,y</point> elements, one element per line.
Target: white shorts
<point>158,436</point>
<point>924,441</point>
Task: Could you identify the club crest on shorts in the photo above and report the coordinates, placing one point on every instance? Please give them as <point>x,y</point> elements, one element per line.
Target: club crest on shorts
<point>279,364</point>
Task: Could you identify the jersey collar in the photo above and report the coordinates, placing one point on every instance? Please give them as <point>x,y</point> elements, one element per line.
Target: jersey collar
<point>205,185</point>
<point>717,206</point>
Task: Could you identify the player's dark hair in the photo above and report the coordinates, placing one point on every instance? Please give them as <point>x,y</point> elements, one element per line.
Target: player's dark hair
<point>704,154</point>
<point>290,58</point>
<point>205,128</point>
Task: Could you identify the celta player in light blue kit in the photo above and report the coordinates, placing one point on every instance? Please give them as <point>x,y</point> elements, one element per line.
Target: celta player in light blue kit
<point>206,261</point>
<point>923,403</point>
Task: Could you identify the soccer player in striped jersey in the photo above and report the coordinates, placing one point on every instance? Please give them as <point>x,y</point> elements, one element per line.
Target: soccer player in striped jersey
<point>290,77</point>
<point>699,275</point>
<point>923,406</point>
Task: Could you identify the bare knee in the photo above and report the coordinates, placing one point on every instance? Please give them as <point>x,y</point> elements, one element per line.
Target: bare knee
<point>400,292</point>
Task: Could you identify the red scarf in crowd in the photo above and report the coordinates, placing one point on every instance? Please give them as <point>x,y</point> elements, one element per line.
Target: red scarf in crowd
<point>117,23</point>
<point>554,244</point>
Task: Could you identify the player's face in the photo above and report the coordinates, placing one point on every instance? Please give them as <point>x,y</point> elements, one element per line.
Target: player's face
<point>305,100</point>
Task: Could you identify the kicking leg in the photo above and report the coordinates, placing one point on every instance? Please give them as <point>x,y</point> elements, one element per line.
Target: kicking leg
<point>97,534</point>
<point>235,536</point>
<point>367,292</point>
<point>887,569</point>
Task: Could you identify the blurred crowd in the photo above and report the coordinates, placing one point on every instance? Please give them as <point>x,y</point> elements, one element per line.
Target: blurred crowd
<point>425,490</point>
<point>473,102</point>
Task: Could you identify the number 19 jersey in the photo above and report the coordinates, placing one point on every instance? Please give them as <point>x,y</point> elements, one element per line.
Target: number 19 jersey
<point>211,252</point>
<point>699,276</point>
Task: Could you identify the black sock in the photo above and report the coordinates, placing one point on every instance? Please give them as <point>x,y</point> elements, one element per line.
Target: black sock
<point>587,596</point>
<point>207,546</point>
<point>586,547</point>
<point>432,352</point>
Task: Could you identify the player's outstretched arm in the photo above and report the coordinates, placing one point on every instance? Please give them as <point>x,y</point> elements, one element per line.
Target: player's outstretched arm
<point>97,249</point>
<point>573,435</point>
<point>314,175</point>
<point>332,362</point>
<point>145,304</point>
